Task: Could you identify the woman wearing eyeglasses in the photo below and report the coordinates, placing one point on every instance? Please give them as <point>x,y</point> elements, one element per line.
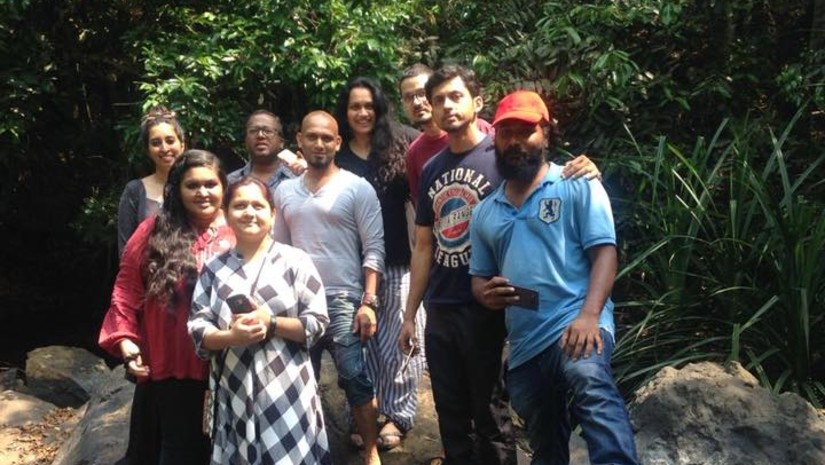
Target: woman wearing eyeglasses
<point>162,136</point>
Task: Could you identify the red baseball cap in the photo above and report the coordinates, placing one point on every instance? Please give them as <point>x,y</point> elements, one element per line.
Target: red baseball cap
<point>522,105</point>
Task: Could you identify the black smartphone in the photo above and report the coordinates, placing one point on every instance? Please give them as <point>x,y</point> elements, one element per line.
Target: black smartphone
<point>527,298</point>
<point>239,303</point>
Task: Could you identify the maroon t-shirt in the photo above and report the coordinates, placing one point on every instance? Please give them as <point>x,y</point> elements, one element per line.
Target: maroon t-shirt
<point>425,147</point>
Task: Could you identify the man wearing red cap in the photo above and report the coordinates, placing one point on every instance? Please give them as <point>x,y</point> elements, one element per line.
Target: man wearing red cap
<point>545,251</point>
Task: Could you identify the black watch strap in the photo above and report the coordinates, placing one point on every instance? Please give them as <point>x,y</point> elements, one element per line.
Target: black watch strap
<point>273,325</point>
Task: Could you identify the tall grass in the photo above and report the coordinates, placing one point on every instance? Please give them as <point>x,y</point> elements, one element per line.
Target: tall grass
<point>725,260</point>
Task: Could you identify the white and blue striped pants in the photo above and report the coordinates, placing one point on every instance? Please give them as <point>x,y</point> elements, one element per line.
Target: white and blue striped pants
<point>397,395</point>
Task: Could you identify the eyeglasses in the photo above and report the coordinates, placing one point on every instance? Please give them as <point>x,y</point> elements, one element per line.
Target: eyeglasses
<point>413,96</point>
<point>265,130</point>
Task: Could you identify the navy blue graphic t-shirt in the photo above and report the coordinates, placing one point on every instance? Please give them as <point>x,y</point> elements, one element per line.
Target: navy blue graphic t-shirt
<point>451,185</point>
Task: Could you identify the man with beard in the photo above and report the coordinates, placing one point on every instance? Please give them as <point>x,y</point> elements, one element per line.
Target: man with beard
<point>264,138</point>
<point>433,139</point>
<point>545,251</point>
<point>335,217</point>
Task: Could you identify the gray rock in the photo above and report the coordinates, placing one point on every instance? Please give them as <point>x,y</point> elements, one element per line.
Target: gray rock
<point>10,378</point>
<point>706,414</point>
<point>64,376</point>
<point>101,436</point>
<point>18,409</point>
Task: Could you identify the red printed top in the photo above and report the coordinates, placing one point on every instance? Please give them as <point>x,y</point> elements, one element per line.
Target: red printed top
<point>161,334</point>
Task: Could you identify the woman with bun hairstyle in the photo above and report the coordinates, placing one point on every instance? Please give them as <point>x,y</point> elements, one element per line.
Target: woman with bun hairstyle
<point>162,136</point>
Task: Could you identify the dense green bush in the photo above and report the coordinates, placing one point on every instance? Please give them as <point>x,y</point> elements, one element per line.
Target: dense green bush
<point>725,261</point>
<point>720,219</point>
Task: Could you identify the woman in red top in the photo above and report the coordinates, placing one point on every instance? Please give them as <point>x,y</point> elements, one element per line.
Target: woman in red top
<point>146,322</point>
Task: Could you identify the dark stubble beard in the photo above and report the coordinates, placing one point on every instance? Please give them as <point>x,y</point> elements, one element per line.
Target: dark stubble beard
<point>517,164</point>
<point>319,165</point>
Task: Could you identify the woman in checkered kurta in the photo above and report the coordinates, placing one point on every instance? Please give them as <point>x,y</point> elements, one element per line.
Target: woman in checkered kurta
<point>267,408</point>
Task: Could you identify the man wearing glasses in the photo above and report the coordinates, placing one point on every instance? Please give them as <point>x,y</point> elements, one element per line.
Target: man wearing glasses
<point>263,135</point>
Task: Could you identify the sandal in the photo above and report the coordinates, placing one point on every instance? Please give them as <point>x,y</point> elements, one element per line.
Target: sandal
<point>437,460</point>
<point>391,439</point>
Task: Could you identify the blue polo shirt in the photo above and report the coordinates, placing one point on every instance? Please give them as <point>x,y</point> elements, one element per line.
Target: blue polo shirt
<point>543,246</point>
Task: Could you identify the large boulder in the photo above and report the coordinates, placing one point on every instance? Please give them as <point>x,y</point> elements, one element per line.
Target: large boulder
<point>68,376</point>
<point>707,414</point>
<point>101,436</point>
<point>64,376</point>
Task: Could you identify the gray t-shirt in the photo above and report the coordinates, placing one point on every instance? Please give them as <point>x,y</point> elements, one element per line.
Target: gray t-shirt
<point>339,226</point>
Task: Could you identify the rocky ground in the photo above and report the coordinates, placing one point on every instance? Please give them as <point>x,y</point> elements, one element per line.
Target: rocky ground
<point>74,410</point>
<point>32,431</point>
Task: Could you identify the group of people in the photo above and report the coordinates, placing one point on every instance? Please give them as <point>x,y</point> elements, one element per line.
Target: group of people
<point>230,287</point>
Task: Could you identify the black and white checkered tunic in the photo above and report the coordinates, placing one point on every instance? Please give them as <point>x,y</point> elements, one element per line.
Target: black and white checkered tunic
<point>268,407</point>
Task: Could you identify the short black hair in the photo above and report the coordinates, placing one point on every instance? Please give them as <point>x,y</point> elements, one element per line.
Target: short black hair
<point>413,71</point>
<point>449,72</point>
<point>264,112</point>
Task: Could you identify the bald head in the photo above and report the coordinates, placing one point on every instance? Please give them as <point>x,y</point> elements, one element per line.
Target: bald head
<point>319,140</point>
<point>320,117</point>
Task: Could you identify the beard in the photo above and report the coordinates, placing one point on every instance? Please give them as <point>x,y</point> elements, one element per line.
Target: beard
<point>422,121</point>
<point>319,164</point>
<point>517,164</point>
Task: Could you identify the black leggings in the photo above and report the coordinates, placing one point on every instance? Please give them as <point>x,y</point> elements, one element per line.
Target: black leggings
<point>166,424</point>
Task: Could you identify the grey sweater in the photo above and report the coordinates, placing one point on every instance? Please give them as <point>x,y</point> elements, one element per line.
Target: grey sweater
<point>339,226</point>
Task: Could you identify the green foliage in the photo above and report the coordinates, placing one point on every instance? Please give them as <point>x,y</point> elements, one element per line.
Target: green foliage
<point>98,219</point>
<point>216,62</point>
<point>722,239</point>
<point>725,261</point>
<point>659,67</point>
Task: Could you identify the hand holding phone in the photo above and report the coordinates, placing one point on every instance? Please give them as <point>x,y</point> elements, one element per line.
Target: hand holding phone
<point>527,298</point>
<point>239,304</point>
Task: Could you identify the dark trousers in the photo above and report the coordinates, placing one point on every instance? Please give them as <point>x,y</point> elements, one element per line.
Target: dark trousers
<point>464,354</point>
<point>166,425</point>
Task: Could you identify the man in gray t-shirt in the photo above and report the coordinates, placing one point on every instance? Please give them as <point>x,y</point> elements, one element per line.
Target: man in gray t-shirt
<point>335,217</point>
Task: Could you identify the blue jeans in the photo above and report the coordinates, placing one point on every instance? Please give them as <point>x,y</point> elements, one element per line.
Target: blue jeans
<point>347,351</point>
<point>538,393</point>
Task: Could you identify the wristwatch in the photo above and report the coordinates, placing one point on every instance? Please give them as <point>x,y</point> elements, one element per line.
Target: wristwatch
<point>273,325</point>
<point>370,300</point>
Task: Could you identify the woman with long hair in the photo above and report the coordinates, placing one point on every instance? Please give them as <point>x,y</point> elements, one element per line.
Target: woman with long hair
<point>371,149</point>
<point>256,311</point>
<point>162,136</point>
<point>146,322</point>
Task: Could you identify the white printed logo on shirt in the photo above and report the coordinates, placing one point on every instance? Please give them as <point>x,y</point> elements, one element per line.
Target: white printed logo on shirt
<point>549,210</point>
